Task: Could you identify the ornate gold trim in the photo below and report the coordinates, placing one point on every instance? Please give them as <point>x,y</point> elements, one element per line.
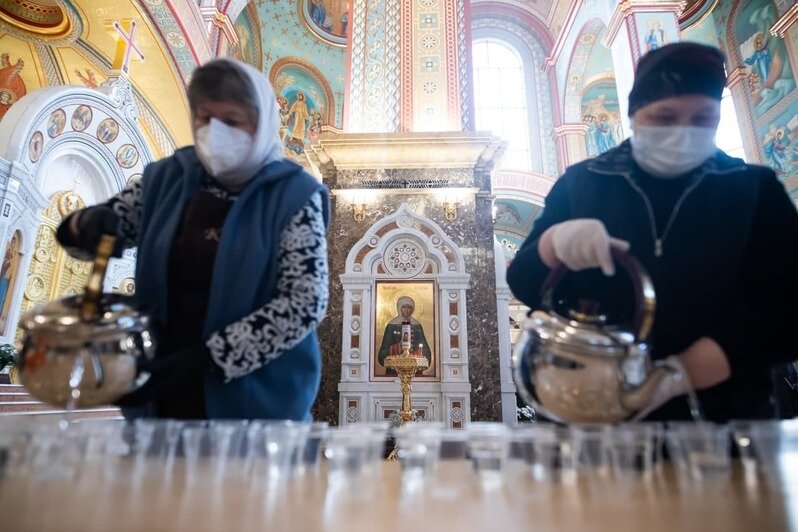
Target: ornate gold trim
<point>49,31</point>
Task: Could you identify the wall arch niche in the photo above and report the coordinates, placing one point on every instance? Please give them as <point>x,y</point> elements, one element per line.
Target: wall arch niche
<point>405,254</point>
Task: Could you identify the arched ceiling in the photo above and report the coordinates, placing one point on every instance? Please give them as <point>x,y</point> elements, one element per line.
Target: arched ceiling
<point>86,57</point>
<point>542,9</point>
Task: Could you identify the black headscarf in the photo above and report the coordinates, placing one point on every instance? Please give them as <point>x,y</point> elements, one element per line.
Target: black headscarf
<point>675,70</point>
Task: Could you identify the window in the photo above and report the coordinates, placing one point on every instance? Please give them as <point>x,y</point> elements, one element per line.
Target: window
<point>500,99</point>
<point>729,138</point>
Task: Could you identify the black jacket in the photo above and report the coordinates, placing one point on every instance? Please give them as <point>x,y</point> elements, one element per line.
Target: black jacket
<point>729,267</point>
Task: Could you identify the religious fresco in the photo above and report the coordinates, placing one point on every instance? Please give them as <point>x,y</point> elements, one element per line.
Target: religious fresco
<point>770,76</point>
<point>780,144</point>
<point>655,36</point>
<point>12,87</point>
<point>601,114</point>
<point>304,107</point>
<point>398,301</point>
<point>327,59</point>
<point>8,276</point>
<point>127,156</point>
<point>88,77</point>
<point>512,223</point>
<point>56,123</point>
<point>35,146</point>
<point>81,118</point>
<point>328,19</point>
<point>107,131</point>
<point>248,48</point>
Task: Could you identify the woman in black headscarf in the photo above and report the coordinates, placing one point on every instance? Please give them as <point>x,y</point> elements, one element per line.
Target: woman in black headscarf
<point>719,238</point>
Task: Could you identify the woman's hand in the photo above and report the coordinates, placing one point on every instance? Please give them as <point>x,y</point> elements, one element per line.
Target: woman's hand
<point>705,363</point>
<point>579,244</point>
<point>84,229</point>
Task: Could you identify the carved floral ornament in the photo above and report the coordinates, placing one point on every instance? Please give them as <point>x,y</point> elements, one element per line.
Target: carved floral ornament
<point>404,258</point>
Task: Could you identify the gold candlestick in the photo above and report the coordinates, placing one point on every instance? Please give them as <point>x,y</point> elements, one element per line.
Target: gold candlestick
<point>406,365</point>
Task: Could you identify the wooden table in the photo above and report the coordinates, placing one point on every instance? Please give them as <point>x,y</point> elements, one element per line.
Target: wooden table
<point>93,502</point>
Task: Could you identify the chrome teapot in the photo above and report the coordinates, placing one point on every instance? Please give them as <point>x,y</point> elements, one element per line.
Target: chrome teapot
<point>81,351</point>
<point>578,369</point>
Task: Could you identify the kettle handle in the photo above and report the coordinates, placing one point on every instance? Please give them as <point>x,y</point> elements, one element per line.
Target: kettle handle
<point>90,304</point>
<point>645,298</point>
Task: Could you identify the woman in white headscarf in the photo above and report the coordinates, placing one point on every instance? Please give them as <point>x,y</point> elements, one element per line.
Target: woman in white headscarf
<point>232,259</point>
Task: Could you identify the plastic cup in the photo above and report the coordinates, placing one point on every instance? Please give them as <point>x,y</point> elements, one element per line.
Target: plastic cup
<point>552,453</point>
<point>590,447</point>
<point>706,448</point>
<point>775,446</point>
<point>488,446</point>
<point>447,481</point>
<point>631,449</point>
<point>741,431</point>
<point>351,459</point>
<point>419,449</point>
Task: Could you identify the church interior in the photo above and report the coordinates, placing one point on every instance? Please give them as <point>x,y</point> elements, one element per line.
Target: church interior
<point>439,127</point>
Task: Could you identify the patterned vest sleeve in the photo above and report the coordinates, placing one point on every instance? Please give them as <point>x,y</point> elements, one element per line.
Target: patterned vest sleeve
<point>297,308</point>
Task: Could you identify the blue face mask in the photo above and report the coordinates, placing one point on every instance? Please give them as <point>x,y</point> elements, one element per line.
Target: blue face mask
<point>671,151</point>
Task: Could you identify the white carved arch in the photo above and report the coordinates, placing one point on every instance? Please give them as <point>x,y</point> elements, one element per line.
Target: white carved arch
<point>524,186</point>
<point>405,223</point>
<point>405,246</point>
<point>36,162</point>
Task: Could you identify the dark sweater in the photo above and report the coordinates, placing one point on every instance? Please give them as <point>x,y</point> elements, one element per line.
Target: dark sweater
<point>727,270</point>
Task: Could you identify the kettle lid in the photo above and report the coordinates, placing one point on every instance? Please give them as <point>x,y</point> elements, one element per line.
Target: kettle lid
<point>594,337</point>
<point>117,316</point>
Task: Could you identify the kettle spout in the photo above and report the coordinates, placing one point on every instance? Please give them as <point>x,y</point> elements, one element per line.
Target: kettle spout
<point>637,399</point>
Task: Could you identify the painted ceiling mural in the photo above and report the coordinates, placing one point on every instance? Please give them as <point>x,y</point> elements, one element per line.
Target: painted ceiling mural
<point>288,32</point>
<point>247,28</point>
<point>771,98</point>
<point>512,222</point>
<point>770,74</point>
<point>601,114</point>
<point>329,19</point>
<point>306,102</point>
<point>83,56</point>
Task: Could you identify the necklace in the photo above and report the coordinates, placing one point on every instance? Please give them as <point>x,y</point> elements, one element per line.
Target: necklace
<point>659,239</point>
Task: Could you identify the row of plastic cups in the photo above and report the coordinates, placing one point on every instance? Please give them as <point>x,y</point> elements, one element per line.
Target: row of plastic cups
<point>48,449</point>
<point>548,452</point>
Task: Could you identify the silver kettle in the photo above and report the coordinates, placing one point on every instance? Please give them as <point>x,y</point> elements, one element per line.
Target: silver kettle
<point>577,368</point>
<point>81,351</point>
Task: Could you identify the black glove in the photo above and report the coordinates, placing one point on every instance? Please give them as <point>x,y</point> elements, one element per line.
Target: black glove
<point>167,372</point>
<point>93,223</point>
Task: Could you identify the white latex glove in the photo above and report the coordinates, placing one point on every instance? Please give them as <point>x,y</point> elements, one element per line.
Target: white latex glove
<point>584,243</point>
<point>674,384</point>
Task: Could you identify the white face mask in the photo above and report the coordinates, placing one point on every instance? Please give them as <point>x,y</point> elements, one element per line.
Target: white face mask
<point>223,150</point>
<point>670,151</point>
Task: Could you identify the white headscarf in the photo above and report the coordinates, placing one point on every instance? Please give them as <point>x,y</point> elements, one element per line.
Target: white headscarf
<point>402,302</point>
<point>266,144</point>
